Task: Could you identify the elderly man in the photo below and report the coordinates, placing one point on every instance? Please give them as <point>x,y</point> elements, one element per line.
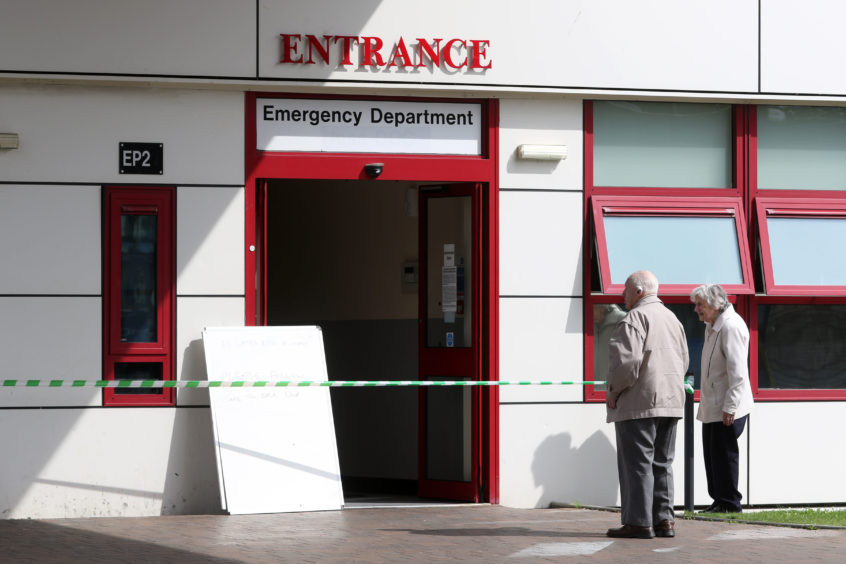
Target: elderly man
<point>648,359</point>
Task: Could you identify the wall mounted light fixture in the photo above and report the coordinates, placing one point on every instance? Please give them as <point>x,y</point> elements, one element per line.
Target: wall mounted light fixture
<point>542,152</point>
<point>9,141</point>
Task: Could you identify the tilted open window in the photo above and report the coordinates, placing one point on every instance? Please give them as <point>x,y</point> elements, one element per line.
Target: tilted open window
<point>796,237</point>
<point>685,242</point>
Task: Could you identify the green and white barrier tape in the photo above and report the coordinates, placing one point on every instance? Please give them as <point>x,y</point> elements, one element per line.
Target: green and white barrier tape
<point>282,383</point>
<point>267,383</point>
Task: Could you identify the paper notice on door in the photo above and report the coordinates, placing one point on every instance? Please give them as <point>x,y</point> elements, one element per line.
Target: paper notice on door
<point>449,254</point>
<point>449,288</point>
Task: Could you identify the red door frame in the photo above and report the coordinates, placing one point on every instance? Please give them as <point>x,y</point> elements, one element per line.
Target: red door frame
<point>483,169</point>
<point>442,362</point>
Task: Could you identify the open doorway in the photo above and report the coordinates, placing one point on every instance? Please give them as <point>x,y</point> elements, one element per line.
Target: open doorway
<point>335,236</point>
<point>343,255</point>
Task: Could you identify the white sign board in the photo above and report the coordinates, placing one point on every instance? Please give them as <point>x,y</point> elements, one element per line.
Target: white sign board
<point>357,126</point>
<point>275,447</point>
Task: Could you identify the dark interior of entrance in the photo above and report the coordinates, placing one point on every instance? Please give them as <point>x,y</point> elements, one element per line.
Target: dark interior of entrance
<point>343,255</point>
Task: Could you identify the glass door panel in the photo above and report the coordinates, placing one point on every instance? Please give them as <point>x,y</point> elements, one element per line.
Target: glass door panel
<point>449,344</point>
<point>449,311</point>
<point>448,434</point>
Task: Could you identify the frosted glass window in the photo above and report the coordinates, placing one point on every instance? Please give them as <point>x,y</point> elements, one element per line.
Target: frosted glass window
<point>801,148</point>
<point>679,250</point>
<point>664,145</point>
<point>801,251</point>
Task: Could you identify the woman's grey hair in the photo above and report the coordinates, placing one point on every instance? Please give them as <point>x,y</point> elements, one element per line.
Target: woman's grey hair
<point>712,294</point>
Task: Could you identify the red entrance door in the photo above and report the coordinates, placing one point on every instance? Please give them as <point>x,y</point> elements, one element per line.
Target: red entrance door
<point>449,446</point>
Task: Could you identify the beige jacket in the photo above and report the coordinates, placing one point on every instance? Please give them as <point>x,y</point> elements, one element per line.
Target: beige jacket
<point>725,376</point>
<point>648,359</point>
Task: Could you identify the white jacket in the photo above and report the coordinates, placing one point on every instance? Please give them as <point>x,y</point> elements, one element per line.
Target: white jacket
<point>725,384</point>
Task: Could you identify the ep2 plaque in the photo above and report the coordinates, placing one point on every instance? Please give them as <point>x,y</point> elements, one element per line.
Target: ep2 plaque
<point>141,158</point>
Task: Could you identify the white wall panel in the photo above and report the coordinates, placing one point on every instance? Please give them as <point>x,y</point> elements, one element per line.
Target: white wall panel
<point>802,47</point>
<point>72,134</point>
<point>172,37</point>
<point>49,239</point>
<point>556,453</point>
<point>700,483</point>
<point>659,44</point>
<point>568,454</point>
<point>50,338</point>
<point>541,339</point>
<point>540,122</point>
<point>540,246</point>
<point>192,316</point>
<point>210,241</point>
<point>797,453</point>
<point>65,463</point>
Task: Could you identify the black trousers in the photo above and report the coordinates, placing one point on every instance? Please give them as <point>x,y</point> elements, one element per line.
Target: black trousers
<point>719,443</point>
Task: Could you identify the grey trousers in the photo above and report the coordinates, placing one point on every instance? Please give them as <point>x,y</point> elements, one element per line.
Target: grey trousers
<point>645,452</point>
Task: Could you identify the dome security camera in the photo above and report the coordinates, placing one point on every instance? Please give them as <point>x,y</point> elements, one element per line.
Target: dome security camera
<point>373,170</point>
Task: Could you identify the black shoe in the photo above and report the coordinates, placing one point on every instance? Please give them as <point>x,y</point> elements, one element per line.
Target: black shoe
<point>632,532</point>
<point>717,508</point>
<point>665,528</point>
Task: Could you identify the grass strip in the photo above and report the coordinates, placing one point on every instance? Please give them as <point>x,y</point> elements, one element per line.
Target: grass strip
<point>807,517</point>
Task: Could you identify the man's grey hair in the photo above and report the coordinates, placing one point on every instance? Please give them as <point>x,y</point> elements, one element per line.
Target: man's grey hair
<point>712,294</point>
<point>645,280</point>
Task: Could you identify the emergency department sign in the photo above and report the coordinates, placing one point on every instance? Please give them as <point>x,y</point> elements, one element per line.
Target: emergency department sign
<point>354,126</point>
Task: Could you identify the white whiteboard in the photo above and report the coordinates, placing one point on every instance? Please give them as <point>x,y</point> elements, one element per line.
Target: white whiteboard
<point>275,447</point>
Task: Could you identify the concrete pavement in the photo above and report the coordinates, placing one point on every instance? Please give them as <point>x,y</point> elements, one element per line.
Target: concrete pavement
<point>443,533</point>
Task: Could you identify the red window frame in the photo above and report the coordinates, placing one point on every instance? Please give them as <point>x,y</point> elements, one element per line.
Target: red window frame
<point>593,395</point>
<point>804,203</point>
<point>755,203</point>
<point>666,199</point>
<point>739,119</point>
<point>657,206</point>
<point>797,208</point>
<point>782,394</point>
<point>138,201</point>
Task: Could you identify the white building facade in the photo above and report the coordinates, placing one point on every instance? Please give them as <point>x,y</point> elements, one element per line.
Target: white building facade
<point>176,165</point>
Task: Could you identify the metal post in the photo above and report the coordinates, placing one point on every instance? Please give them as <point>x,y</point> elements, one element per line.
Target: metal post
<point>688,445</point>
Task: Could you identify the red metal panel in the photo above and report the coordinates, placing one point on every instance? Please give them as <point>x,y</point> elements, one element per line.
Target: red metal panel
<point>490,338</point>
<point>139,201</point>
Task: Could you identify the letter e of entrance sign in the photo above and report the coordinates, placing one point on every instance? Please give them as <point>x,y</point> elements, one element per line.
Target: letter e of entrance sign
<point>141,158</point>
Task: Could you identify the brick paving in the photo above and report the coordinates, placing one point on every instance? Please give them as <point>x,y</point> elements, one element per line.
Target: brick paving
<point>480,533</point>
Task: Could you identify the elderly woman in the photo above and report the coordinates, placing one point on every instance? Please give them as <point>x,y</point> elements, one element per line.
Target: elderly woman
<point>725,394</point>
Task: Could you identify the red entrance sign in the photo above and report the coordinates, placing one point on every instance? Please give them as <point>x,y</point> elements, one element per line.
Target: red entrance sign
<point>470,54</point>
